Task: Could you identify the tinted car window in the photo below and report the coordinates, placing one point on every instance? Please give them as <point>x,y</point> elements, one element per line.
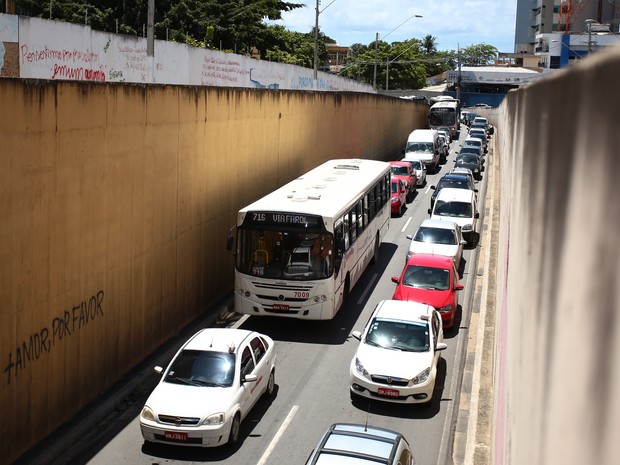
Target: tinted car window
<point>203,368</point>
<point>457,209</point>
<point>436,236</point>
<point>258,347</point>
<point>247,362</point>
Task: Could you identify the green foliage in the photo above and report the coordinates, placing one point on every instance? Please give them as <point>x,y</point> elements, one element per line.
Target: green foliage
<point>478,55</point>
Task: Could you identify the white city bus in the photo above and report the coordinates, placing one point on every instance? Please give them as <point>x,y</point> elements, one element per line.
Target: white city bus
<point>445,114</point>
<point>301,249</point>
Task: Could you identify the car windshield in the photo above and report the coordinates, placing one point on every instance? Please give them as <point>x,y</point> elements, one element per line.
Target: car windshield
<point>400,170</point>
<point>415,164</point>
<point>398,335</point>
<point>475,142</point>
<point>456,209</point>
<point>468,158</point>
<point>470,149</point>
<point>202,368</point>
<point>435,236</point>
<point>425,277</point>
<point>456,183</point>
<point>426,147</point>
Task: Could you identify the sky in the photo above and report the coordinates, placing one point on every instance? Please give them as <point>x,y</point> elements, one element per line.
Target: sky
<point>453,23</point>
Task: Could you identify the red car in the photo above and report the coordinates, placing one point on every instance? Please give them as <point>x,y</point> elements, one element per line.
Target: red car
<point>433,280</point>
<point>404,171</point>
<point>399,196</point>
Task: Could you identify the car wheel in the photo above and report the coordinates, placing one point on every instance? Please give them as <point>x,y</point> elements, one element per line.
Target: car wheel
<point>233,437</point>
<point>271,384</point>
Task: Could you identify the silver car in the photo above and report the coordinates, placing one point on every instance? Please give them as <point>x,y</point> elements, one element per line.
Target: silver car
<point>353,444</point>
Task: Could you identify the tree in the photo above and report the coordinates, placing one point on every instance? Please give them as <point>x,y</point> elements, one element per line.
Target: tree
<point>429,45</point>
<point>478,55</point>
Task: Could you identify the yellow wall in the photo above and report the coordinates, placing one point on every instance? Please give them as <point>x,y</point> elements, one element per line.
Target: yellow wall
<point>116,202</point>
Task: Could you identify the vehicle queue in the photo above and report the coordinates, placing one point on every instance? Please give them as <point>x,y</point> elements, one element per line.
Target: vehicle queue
<point>399,348</point>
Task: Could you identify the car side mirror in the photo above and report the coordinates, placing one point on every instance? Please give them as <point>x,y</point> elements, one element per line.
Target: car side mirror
<point>459,287</point>
<point>159,370</point>
<point>429,211</point>
<point>433,187</point>
<point>250,378</point>
<point>477,215</point>
<point>476,191</point>
<point>441,346</point>
<point>463,242</point>
<point>409,236</point>
<point>395,279</point>
<point>357,335</point>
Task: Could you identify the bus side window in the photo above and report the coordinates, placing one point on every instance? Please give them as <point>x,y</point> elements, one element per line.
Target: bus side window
<point>365,210</point>
<point>353,225</point>
<point>345,232</point>
<point>360,218</point>
<point>371,203</point>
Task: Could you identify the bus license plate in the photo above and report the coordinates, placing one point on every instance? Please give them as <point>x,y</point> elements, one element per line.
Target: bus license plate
<point>280,307</point>
<point>389,392</point>
<point>174,436</point>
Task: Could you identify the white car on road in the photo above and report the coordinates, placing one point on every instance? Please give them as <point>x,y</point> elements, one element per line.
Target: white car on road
<point>396,360</point>
<point>438,237</point>
<point>209,387</point>
<point>419,168</point>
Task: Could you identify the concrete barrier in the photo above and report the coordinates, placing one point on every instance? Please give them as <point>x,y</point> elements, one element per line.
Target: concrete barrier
<point>557,356</point>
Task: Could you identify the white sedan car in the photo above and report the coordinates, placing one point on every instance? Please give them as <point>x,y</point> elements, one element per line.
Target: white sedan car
<point>419,168</point>
<point>438,237</point>
<point>397,357</point>
<point>209,387</point>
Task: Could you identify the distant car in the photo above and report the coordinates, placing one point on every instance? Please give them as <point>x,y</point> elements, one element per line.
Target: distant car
<point>481,134</point>
<point>419,168</point>
<point>444,148</point>
<point>399,196</point>
<point>460,206</point>
<point>353,444</point>
<point>467,172</point>
<point>454,180</point>
<point>470,161</point>
<point>432,279</point>
<point>209,387</point>
<point>482,105</point>
<point>446,132</point>
<point>396,360</point>
<point>403,171</point>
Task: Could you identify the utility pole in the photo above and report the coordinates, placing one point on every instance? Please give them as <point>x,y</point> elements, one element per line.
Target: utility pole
<point>374,75</point>
<point>316,41</point>
<point>150,38</point>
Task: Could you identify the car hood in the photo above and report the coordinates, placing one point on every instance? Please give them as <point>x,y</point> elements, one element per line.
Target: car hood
<point>470,166</point>
<point>434,249</point>
<point>430,297</point>
<point>189,401</point>
<point>424,156</point>
<point>461,221</point>
<point>395,363</point>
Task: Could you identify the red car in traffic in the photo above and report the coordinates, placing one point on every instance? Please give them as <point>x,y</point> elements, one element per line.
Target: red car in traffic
<point>404,171</point>
<point>433,280</point>
<point>399,196</point>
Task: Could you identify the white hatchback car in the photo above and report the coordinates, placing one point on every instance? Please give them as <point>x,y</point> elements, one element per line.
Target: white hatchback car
<point>459,206</point>
<point>436,237</point>
<point>419,168</point>
<point>209,387</point>
<point>396,360</point>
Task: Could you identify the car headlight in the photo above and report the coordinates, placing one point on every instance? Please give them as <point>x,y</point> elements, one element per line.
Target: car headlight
<point>360,368</point>
<point>466,227</point>
<point>421,377</point>
<point>147,414</point>
<point>215,419</point>
<point>447,308</point>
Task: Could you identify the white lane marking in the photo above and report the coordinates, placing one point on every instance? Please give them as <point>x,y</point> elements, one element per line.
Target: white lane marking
<point>406,224</point>
<point>240,321</point>
<point>276,438</point>
<point>368,288</point>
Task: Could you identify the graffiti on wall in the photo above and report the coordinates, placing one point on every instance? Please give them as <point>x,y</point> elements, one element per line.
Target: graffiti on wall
<point>64,325</point>
<point>55,50</point>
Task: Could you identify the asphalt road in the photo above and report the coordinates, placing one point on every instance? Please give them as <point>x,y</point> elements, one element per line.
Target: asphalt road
<point>311,377</point>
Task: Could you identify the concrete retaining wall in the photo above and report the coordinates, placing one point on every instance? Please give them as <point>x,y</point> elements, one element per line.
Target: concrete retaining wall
<point>116,202</point>
<point>557,367</point>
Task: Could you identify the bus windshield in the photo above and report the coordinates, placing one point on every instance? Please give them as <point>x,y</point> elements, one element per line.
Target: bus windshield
<point>442,117</point>
<point>285,255</point>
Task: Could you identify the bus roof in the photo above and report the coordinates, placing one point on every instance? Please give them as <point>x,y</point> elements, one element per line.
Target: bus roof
<point>326,190</point>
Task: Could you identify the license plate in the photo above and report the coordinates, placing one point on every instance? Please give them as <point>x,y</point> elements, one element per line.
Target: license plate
<point>280,307</point>
<point>175,436</point>
<point>389,392</point>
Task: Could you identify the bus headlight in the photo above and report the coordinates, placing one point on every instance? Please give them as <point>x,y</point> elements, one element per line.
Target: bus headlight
<point>320,298</point>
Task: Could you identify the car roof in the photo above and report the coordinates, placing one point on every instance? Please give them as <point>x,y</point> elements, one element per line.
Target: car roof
<point>471,139</point>
<point>453,176</point>
<point>399,163</point>
<point>405,310</point>
<point>430,260</point>
<point>440,224</point>
<point>449,194</point>
<point>217,339</point>
<point>358,443</point>
<point>408,159</point>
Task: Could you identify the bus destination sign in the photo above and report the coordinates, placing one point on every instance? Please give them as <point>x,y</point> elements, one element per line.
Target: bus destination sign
<point>298,220</point>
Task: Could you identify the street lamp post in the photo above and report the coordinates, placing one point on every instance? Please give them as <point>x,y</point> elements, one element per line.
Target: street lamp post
<point>589,22</point>
<point>374,79</point>
<point>316,37</point>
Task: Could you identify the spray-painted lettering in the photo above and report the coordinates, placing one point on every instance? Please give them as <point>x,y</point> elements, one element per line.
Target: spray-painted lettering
<point>69,323</point>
